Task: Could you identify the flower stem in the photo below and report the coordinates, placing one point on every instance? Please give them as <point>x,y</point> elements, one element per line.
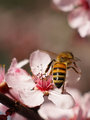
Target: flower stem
<point>19,108</point>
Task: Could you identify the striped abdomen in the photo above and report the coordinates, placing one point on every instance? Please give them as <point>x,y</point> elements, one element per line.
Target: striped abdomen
<point>59,74</point>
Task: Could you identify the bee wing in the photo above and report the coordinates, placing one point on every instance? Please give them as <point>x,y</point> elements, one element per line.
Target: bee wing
<point>52,54</point>
<point>72,77</point>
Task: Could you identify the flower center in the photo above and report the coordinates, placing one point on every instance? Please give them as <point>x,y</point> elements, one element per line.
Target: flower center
<point>86,4</point>
<point>44,83</point>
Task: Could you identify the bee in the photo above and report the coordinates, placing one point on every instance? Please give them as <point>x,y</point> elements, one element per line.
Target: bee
<point>61,64</point>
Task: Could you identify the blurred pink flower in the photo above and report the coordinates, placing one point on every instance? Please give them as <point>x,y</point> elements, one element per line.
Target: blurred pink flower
<point>81,111</point>
<point>65,5</point>
<point>80,14</point>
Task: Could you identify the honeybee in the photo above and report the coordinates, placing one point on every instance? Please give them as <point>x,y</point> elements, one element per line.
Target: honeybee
<point>61,64</point>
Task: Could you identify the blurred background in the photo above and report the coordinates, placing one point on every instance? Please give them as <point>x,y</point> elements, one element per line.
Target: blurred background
<point>29,25</point>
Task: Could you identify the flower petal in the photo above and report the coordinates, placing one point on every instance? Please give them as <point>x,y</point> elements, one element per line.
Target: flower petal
<point>49,111</point>
<point>86,100</point>
<point>66,5</point>
<point>32,98</point>
<point>17,117</point>
<point>2,74</point>
<point>22,63</point>
<point>84,29</point>
<point>76,94</point>
<point>63,101</point>
<point>18,78</point>
<point>3,108</point>
<point>39,61</point>
<point>76,17</point>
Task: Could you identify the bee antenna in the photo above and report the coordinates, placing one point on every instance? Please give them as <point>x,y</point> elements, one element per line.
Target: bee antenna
<point>77,59</point>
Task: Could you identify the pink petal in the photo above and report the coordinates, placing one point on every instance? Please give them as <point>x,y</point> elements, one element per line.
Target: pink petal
<point>66,5</point>
<point>84,29</point>
<point>3,108</point>
<point>86,102</point>
<point>82,109</point>
<point>14,94</point>
<point>2,74</point>
<point>63,101</point>
<point>78,112</point>
<point>39,61</point>
<point>22,63</point>
<point>49,111</point>
<point>76,94</point>
<point>77,17</point>
<point>14,63</point>
<point>17,117</point>
<point>32,98</point>
<point>18,78</point>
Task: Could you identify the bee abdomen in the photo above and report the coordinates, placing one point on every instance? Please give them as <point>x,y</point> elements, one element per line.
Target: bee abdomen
<point>58,85</point>
<point>59,74</point>
<point>58,80</point>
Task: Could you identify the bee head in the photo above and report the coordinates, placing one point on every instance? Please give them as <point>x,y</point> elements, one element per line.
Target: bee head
<point>65,57</point>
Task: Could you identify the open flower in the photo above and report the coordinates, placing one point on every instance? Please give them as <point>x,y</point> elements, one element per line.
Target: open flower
<point>32,90</point>
<point>81,111</point>
<point>43,84</point>
<point>80,14</point>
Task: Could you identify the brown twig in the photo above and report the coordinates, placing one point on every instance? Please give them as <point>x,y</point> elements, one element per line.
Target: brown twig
<point>19,108</point>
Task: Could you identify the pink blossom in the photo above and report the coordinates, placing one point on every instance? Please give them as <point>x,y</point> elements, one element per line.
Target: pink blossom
<point>81,111</point>
<point>32,90</point>
<point>79,18</point>
<point>43,83</point>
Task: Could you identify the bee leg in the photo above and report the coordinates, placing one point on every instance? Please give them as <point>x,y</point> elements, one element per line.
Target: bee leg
<point>50,72</point>
<point>75,65</point>
<point>63,89</point>
<point>74,69</point>
<point>49,65</point>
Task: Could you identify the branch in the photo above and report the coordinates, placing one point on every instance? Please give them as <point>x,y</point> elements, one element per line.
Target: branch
<point>19,108</point>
